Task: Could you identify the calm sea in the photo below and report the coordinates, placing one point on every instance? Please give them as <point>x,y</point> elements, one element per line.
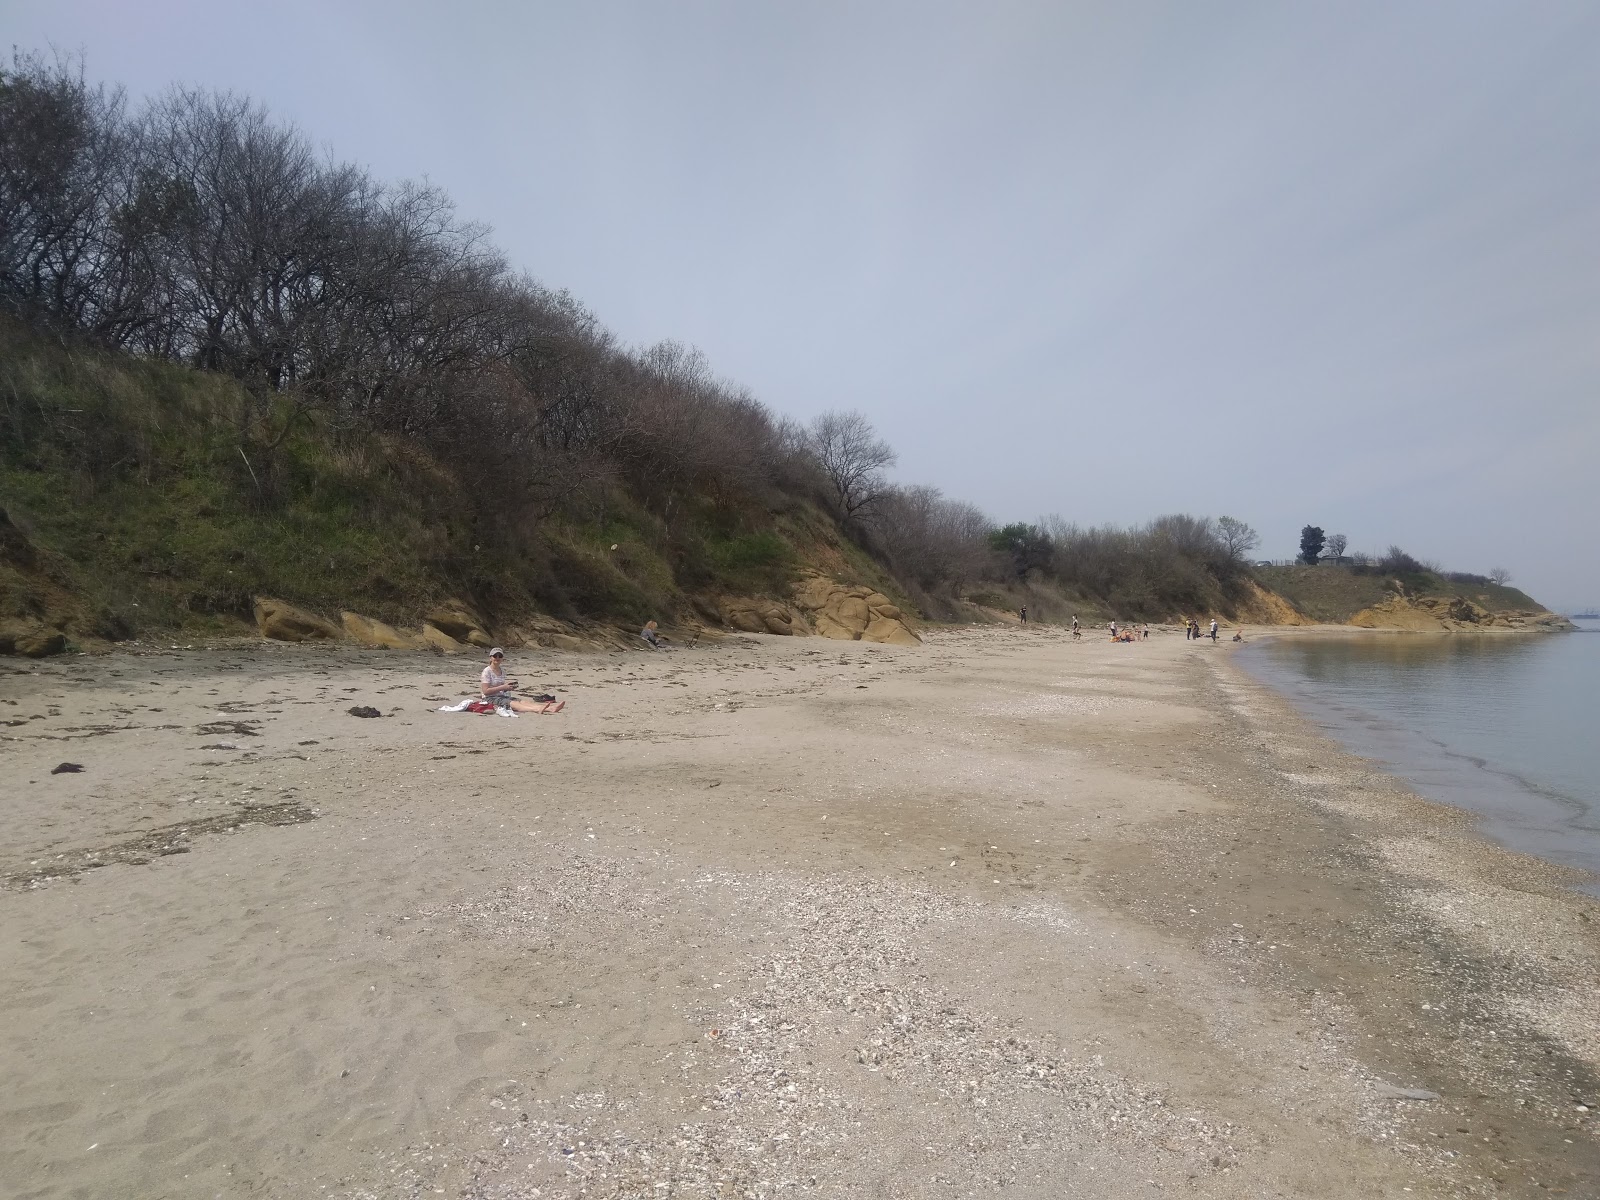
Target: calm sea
<point>1507,727</point>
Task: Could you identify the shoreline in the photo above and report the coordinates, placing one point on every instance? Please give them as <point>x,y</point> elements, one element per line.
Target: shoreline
<point>1441,772</point>
<point>617,637</point>
<point>788,899</point>
<point>1512,938</point>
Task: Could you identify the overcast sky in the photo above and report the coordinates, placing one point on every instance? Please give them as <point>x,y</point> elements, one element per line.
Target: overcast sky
<point>1335,264</point>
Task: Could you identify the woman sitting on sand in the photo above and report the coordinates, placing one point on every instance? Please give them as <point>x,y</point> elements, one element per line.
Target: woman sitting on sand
<point>500,691</point>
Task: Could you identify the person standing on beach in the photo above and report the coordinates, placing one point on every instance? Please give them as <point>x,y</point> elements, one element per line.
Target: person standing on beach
<point>1213,631</point>
<point>1188,628</point>
<point>1024,614</point>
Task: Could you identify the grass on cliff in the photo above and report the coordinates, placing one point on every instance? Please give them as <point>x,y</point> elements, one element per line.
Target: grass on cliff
<point>1333,593</point>
<point>129,479</point>
<point>144,510</point>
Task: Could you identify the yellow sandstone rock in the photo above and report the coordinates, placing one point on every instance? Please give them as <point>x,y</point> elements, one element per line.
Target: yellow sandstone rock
<point>460,622</point>
<point>754,615</point>
<point>283,622</point>
<point>1428,614</point>
<point>851,614</point>
<point>365,631</point>
<point>1261,607</point>
<point>890,631</point>
<point>1421,613</point>
<point>442,641</point>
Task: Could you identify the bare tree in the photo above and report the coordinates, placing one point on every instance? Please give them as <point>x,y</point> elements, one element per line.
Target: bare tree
<point>932,540</point>
<point>1336,544</point>
<point>1499,576</point>
<point>64,170</point>
<point>1237,538</point>
<point>201,229</point>
<point>853,457</point>
<point>1176,563</point>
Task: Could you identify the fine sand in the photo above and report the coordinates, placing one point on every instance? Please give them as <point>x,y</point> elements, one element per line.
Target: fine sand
<point>1004,914</point>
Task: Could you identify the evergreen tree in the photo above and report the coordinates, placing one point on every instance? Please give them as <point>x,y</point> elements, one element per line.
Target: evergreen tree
<point>1311,545</point>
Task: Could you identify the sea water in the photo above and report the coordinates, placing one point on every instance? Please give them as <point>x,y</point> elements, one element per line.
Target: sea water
<point>1506,726</point>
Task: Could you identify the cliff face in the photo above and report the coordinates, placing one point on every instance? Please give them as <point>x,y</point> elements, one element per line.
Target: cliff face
<point>1263,607</point>
<point>1451,614</point>
<point>133,505</point>
<point>1422,601</point>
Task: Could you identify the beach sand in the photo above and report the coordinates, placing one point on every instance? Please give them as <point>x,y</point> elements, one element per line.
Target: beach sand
<point>1004,914</point>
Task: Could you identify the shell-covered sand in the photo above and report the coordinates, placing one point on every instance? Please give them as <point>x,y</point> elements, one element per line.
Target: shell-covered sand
<point>1001,915</point>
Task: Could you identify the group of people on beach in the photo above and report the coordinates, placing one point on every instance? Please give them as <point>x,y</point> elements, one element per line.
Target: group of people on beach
<point>502,692</point>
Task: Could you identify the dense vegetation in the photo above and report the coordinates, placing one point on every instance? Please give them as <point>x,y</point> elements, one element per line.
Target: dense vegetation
<point>394,393</point>
<point>377,407</point>
<point>232,365</point>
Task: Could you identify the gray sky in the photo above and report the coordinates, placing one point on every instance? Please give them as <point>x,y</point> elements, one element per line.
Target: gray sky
<point>1334,264</point>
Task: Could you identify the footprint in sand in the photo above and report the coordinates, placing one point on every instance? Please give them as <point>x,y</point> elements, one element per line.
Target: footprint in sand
<point>476,1044</point>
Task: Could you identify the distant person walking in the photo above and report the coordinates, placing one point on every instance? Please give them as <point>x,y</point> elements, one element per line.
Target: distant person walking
<point>1213,631</point>
<point>1023,613</point>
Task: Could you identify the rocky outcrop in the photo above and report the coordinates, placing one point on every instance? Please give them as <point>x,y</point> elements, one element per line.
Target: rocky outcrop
<point>283,622</point>
<point>825,607</point>
<point>437,639</point>
<point>1262,607</point>
<point>757,615</point>
<point>1451,614</point>
<point>554,634</point>
<point>459,621</point>
<point>852,614</point>
<point>568,641</point>
<point>31,641</point>
<point>375,635</point>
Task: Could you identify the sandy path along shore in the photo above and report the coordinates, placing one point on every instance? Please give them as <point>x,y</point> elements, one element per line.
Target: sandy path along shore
<point>1002,915</point>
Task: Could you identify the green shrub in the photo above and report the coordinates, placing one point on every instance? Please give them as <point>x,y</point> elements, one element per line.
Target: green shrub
<point>750,552</point>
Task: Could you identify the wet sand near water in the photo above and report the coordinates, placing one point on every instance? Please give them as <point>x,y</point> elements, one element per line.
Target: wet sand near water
<point>1002,915</point>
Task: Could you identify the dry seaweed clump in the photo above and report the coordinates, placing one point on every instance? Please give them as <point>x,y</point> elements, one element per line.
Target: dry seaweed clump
<point>836,1058</point>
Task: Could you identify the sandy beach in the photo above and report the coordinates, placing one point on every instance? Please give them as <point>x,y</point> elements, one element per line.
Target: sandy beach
<point>1003,914</point>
